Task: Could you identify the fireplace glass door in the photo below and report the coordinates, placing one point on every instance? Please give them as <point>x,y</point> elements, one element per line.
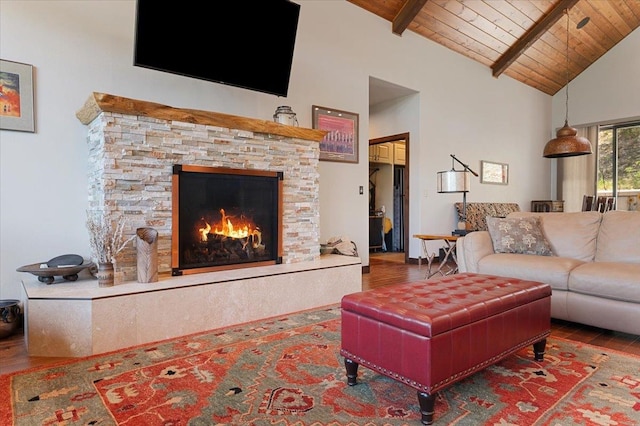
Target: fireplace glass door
<point>225,218</point>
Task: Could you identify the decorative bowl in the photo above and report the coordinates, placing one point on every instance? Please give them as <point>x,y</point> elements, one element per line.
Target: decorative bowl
<point>325,249</point>
<point>46,274</point>
<point>9,317</point>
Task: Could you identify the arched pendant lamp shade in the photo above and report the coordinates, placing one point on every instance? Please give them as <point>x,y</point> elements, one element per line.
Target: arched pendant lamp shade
<point>566,142</point>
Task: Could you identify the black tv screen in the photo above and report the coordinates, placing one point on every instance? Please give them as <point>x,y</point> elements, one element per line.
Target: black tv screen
<point>242,44</point>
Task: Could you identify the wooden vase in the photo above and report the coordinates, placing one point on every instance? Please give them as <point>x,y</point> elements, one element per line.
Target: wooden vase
<point>147,255</point>
<point>105,274</point>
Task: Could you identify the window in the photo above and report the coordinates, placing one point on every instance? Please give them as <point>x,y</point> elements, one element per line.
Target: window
<point>618,164</point>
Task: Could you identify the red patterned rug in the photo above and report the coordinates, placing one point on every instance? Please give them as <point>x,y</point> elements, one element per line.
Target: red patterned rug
<point>288,371</point>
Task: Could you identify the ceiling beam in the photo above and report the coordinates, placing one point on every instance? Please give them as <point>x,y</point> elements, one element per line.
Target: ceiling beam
<point>408,12</point>
<point>531,36</point>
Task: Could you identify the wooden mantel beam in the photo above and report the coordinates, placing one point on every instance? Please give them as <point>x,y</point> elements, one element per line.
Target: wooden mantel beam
<point>531,36</point>
<point>102,102</point>
<point>407,14</point>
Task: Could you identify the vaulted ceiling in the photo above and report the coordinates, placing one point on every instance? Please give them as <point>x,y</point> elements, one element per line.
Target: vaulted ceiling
<point>525,40</point>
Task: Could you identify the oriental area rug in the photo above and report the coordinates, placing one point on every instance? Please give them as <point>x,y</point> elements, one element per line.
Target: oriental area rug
<point>288,371</point>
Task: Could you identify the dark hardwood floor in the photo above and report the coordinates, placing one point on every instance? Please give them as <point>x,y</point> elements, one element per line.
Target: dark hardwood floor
<point>385,269</point>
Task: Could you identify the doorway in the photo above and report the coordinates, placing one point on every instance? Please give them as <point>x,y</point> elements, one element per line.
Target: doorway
<point>389,159</point>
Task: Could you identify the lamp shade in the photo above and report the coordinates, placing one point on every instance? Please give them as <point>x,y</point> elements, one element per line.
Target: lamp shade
<point>567,144</point>
<point>454,181</point>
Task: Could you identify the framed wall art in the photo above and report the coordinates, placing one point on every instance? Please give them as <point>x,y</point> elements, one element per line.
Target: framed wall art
<point>16,97</point>
<point>495,173</point>
<point>341,141</point>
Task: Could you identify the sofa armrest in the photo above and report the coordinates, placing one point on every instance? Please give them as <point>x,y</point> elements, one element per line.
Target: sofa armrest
<point>471,248</point>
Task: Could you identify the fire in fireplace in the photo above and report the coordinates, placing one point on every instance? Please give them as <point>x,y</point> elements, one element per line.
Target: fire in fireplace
<point>225,219</point>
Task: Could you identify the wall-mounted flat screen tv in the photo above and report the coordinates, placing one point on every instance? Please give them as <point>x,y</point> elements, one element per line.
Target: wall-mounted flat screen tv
<point>242,44</point>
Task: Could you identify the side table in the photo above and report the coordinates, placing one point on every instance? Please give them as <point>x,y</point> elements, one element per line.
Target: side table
<point>449,254</point>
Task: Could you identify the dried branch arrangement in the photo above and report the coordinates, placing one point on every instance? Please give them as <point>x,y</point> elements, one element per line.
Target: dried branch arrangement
<point>105,240</point>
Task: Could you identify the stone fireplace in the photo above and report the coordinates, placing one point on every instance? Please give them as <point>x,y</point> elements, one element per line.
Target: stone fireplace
<point>134,146</point>
<point>134,149</point>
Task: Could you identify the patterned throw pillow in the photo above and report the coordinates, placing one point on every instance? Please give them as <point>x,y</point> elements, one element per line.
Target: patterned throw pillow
<point>518,235</point>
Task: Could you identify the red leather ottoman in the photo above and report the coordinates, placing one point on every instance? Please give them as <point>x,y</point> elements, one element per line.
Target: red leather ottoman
<point>430,334</point>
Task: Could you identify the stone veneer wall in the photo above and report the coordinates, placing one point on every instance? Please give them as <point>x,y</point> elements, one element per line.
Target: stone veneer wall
<point>130,170</point>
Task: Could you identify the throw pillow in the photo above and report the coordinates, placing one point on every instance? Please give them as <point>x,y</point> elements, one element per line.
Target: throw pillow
<point>518,235</point>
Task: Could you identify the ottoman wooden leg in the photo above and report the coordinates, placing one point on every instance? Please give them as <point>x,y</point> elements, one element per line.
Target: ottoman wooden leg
<point>352,371</point>
<point>427,403</point>
<point>538,350</point>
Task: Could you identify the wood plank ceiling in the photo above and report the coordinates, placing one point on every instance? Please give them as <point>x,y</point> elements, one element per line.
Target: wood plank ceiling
<point>525,40</point>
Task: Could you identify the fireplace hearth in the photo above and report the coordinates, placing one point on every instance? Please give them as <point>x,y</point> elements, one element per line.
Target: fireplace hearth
<point>226,218</point>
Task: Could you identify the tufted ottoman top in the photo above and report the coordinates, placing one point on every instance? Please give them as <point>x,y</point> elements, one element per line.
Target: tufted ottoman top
<point>437,305</point>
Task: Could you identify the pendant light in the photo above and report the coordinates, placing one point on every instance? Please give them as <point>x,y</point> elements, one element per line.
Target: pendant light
<point>567,143</point>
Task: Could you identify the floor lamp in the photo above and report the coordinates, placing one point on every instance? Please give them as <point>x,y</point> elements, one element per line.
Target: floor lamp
<point>453,180</point>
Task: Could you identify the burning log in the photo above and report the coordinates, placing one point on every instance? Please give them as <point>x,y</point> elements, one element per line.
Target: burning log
<point>220,249</point>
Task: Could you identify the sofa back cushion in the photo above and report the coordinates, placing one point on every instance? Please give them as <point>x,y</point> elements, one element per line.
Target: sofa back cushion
<point>619,237</point>
<point>570,235</point>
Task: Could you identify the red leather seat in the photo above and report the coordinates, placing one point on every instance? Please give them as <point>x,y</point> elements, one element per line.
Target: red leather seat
<point>430,334</point>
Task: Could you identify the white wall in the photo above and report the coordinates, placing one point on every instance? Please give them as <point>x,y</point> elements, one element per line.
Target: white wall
<point>475,117</point>
<point>78,47</point>
<point>607,91</point>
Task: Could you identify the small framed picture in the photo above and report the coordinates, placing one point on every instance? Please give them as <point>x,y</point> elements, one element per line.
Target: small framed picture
<point>16,97</point>
<point>495,173</point>
<point>341,141</point>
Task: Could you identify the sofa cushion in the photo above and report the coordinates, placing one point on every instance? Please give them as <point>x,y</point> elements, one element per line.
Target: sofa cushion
<point>610,280</point>
<point>569,234</point>
<point>547,269</point>
<point>518,235</point>
<point>619,237</point>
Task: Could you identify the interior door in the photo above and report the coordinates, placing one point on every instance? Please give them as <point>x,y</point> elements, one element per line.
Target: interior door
<point>401,199</point>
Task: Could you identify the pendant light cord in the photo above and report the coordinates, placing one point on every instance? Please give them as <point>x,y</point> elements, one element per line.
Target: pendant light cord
<point>566,115</point>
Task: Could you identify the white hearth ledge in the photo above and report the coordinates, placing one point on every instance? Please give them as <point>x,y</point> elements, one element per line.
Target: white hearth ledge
<point>74,319</point>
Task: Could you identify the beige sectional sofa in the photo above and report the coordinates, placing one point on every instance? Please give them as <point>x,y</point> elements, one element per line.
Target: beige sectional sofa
<point>594,269</point>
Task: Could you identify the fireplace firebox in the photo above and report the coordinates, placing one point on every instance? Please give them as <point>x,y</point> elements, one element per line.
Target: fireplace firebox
<point>225,218</point>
